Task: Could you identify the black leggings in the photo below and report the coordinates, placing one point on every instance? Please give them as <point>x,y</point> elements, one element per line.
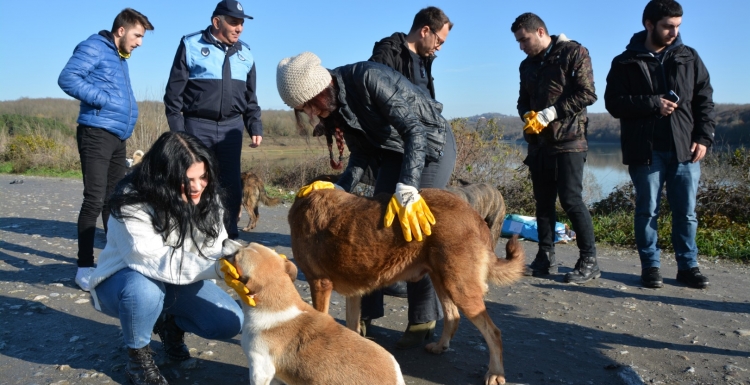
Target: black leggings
<point>424,305</point>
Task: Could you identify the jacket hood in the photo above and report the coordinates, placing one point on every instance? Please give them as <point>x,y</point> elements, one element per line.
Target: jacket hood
<point>108,38</point>
<point>638,43</point>
<point>396,40</point>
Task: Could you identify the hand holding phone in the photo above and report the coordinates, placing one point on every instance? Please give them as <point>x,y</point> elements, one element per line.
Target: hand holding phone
<point>672,97</point>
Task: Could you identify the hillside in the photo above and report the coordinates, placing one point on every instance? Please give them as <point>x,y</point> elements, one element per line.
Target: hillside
<point>733,120</point>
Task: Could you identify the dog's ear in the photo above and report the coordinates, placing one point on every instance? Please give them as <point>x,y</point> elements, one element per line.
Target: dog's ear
<point>291,269</point>
<point>230,247</point>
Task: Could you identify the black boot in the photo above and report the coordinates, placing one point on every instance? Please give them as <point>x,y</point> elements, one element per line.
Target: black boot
<point>586,269</point>
<point>172,338</point>
<point>141,368</point>
<point>543,264</point>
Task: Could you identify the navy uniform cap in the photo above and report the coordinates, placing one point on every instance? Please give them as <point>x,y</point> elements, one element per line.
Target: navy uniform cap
<point>230,8</point>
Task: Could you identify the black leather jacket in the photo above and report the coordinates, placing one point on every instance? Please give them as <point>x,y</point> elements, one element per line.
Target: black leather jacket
<point>382,110</point>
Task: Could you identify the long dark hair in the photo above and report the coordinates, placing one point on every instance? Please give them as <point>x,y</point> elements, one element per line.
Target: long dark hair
<point>157,182</point>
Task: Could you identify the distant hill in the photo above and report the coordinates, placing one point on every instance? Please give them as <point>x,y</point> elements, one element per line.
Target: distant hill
<point>732,128</point>
<point>732,125</point>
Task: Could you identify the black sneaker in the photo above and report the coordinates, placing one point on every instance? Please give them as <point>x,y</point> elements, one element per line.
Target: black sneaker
<point>651,277</point>
<point>692,278</point>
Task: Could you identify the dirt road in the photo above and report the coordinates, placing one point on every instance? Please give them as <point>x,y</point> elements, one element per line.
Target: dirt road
<point>610,331</point>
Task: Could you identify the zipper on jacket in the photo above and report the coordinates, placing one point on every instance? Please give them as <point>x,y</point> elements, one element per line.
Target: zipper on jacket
<point>130,99</point>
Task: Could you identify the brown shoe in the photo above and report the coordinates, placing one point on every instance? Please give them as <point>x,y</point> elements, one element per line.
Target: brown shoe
<point>416,334</point>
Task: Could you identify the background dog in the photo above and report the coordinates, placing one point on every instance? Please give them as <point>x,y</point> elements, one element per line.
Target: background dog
<point>137,156</point>
<point>254,192</point>
<point>285,339</point>
<point>339,242</point>
<point>487,201</point>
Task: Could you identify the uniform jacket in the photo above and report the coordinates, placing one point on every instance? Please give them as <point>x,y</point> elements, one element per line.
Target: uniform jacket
<point>561,77</point>
<point>209,82</point>
<point>381,109</point>
<point>632,97</point>
<point>98,77</point>
<point>394,52</point>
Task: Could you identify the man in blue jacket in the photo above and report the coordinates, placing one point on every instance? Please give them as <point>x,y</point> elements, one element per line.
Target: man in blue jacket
<point>211,94</point>
<point>97,75</point>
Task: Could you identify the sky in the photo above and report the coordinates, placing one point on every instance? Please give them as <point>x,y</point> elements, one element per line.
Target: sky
<point>476,70</point>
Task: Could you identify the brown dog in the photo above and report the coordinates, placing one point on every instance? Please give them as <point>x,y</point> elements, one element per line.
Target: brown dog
<point>254,192</point>
<point>339,242</point>
<point>285,339</point>
<point>487,201</point>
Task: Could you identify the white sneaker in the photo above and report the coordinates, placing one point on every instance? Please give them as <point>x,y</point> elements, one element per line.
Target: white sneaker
<point>82,277</point>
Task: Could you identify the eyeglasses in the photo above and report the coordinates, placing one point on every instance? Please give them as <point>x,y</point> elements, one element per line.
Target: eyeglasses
<point>438,41</point>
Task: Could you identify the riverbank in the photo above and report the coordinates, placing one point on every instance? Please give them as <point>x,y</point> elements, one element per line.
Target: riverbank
<point>610,331</point>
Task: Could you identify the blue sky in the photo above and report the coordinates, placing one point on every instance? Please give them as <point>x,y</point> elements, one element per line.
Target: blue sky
<point>476,71</point>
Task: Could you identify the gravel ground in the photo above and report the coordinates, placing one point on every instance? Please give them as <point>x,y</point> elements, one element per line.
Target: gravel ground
<point>609,331</point>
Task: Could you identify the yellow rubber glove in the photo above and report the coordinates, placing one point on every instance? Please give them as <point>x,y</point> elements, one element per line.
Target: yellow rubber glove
<point>317,185</point>
<point>412,211</point>
<point>537,121</point>
<point>231,277</point>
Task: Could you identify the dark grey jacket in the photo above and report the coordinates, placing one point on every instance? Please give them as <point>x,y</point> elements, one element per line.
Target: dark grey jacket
<point>382,110</point>
<point>393,52</point>
<point>631,97</point>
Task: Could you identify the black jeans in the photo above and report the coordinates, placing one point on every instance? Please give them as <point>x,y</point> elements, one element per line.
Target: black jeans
<point>224,139</point>
<point>561,175</point>
<point>103,165</point>
<point>424,306</point>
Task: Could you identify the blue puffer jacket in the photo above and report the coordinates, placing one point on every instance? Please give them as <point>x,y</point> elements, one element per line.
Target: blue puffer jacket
<point>99,78</point>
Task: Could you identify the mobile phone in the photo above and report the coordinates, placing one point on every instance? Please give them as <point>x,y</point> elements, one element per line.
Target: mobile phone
<point>672,97</point>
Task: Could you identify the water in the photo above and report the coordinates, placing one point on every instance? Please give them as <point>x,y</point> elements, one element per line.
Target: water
<point>605,162</point>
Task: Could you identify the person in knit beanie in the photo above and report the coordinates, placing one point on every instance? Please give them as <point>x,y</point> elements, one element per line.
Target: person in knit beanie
<point>389,125</point>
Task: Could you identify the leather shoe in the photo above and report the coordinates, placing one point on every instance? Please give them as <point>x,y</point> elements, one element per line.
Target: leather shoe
<point>416,334</point>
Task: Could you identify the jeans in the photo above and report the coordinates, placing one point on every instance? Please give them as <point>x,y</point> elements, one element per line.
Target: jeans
<point>201,308</point>
<point>224,139</point>
<point>103,164</point>
<point>424,305</point>
<point>561,175</point>
<point>681,180</point>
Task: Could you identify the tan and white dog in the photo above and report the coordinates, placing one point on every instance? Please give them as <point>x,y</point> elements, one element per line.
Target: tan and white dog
<point>287,341</point>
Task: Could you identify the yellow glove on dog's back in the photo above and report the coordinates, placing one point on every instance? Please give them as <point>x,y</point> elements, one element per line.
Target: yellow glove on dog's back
<point>317,185</point>
<point>231,277</point>
<point>413,214</point>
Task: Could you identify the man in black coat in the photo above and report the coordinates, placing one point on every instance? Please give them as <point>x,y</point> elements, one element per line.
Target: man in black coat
<point>412,55</point>
<point>660,90</point>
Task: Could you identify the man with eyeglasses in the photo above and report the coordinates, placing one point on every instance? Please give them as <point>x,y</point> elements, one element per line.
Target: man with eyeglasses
<point>557,84</point>
<point>412,55</point>
<point>211,95</point>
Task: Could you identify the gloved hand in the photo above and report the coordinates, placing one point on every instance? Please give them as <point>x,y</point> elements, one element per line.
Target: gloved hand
<point>317,185</point>
<point>413,214</point>
<point>537,121</point>
<point>231,277</point>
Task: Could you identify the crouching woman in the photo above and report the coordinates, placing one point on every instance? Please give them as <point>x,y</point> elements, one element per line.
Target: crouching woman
<point>164,237</point>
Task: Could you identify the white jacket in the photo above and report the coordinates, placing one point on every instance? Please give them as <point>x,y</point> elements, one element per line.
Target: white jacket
<point>132,242</point>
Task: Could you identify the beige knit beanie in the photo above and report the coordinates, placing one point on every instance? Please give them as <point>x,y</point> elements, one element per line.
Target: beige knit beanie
<point>300,78</point>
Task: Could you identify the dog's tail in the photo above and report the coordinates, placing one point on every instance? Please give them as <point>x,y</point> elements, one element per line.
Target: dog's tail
<point>509,270</point>
<point>268,201</point>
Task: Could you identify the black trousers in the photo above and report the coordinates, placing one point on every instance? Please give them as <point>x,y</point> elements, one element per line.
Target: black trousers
<point>424,305</point>
<point>561,176</point>
<point>224,139</point>
<point>103,164</point>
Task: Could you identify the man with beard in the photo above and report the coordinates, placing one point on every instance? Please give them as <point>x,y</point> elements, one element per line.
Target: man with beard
<point>660,90</point>
<point>557,84</point>
<point>412,55</point>
<point>211,95</point>
<point>97,75</point>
